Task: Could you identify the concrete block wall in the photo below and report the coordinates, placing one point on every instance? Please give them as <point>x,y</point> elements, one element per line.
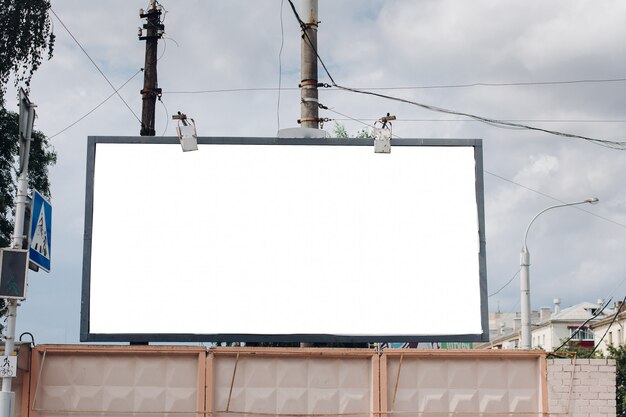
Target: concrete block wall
<point>581,387</point>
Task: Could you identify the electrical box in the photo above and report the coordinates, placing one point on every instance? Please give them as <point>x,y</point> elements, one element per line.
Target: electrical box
<point>13,271</point>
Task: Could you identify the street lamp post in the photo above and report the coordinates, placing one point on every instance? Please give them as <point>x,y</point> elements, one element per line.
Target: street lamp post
<point>525,274</point>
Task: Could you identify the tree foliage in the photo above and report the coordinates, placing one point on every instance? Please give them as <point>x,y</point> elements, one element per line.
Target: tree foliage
<point>573,346</point>
<point>25,37</point>
<point>341,132</point>
<point>42,156</point>
<point>619,354</point>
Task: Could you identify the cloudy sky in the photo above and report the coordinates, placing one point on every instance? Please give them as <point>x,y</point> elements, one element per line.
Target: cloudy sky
<point>516,60</point>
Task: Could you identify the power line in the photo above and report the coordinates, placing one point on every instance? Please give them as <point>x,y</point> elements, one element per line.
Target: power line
<point>499,177</point>
<point>303,26</point>
<point>519,185</point>
<point>230,90</point>
<point>502,84</point>
<point>167,116</point>
<point>334,88</point>
<point>574,333</point>
<point>505,285</point>
<point>97,107</point>
<point>506,120</point>
<point>348,117</point>
<point>619,310</point>
<point>618,145</point>
<point>95,65</point>
<point>554,198</point>
<point>490,121</point>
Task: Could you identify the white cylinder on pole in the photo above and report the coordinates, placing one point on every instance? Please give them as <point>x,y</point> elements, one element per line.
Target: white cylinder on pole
<point>525,337</point>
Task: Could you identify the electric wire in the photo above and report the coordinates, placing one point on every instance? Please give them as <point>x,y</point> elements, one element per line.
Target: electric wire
<point>280,63</point>
<point>171,39</point>
<point>347,117</point>
<point>502,84</point>
<point>554,198</point>
<point>619,310</point>
<point>95,65</point>
<point>303,26</point>
<point>575,332</point>
<point>617,287</point>
<point>229,90</point>
<point>516,307</point>
<point>31,337</point>
<point>97,107</point>
<point>618,145</point>
<point>510,120</point>
<point>167,116</point>
<point>505,285</point>
<point>361,121</point>
<point>519,185</point>
<point>164,49</point>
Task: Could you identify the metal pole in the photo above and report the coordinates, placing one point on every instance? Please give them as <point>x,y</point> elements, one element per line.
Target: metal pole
<point>27,116</point>
<point>309,103</point>
<point>150,92</point>
<point>525,331</point>
<point>525,301</point>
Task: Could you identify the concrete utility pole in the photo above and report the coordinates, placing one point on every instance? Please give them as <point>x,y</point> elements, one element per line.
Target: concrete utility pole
<point>309,109</point>
<point>150,92</point>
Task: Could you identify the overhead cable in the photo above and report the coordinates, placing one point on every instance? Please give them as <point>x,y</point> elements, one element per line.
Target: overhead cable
<point>97,107</point>
<point>619,145</point>
<point>505,285</point>
<point>115,91</point>
<point>501,84</point>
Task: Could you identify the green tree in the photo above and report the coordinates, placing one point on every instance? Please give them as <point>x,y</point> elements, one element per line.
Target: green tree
<point>619,354</point>
<point>573,346</point>
<point>340,132</point>
<point>42,156</point>
<point>25,38</point>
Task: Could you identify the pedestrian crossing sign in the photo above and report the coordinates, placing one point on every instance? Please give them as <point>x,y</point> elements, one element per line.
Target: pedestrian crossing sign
<point>40,232</point>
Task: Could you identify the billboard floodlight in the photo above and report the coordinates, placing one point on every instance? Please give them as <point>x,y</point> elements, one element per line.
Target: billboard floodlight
<point>186,132</point>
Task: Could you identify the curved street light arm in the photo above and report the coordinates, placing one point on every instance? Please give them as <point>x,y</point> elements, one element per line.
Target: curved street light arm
<point>587,201</point>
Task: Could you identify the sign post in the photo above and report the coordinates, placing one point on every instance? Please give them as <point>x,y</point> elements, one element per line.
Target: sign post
<point>26,119</point>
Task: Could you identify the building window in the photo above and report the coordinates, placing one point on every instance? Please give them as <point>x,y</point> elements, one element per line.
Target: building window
<point>585,333</point>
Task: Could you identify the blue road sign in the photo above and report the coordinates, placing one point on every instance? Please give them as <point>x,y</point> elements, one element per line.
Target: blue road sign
<point>40,232</point>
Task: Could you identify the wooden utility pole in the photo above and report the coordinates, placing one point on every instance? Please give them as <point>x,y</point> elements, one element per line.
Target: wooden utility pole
<point>150,92</point>
<point>309,104</point>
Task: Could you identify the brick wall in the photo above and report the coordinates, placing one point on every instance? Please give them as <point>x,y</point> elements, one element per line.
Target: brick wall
<point>581,387</point>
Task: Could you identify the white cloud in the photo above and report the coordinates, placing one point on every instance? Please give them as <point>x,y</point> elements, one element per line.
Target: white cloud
<point>235,44</point>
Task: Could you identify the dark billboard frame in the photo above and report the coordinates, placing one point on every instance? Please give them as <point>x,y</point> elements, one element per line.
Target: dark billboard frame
<point>87,336</point>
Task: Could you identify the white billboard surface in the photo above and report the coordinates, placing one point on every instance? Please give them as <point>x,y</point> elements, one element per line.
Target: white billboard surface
<point>250,239</point>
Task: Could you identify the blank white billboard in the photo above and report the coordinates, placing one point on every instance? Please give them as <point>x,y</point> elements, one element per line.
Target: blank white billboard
<point>283,240</point>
